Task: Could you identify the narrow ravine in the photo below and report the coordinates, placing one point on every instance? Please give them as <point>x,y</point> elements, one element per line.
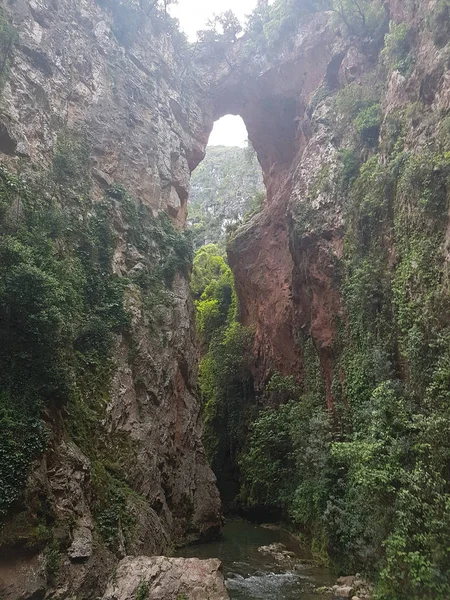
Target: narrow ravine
<point>252,574</point>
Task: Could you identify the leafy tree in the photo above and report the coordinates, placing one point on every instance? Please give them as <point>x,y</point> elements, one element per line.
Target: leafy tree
<point>227,387</point>
<point>360,17</point>
<point>223,28</point>
<point>130,16</point>
<point>397,48</point>
<point>213,287</point>
<point>222,31</point>
<point>269,464</point>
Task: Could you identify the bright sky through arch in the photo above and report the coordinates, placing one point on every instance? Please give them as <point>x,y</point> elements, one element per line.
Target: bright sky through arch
<point>193,15</point>
<point>228,131</point>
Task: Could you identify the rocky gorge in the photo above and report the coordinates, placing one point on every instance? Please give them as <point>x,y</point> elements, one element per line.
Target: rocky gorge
<point>337,417</point>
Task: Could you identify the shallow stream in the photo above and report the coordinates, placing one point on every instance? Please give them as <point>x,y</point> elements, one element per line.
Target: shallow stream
<point>254,575</point>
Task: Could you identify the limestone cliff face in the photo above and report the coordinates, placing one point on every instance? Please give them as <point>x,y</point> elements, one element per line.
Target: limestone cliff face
<point>138,108</point>
<point>71,71</point>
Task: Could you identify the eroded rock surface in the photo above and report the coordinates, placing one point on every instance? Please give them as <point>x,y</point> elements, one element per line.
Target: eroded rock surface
<point>72,71</point>
<point>167,578</point>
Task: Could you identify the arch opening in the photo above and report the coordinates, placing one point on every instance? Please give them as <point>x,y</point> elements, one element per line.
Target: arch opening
<point>227,187</point>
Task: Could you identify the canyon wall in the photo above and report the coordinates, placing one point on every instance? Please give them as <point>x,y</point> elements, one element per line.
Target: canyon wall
<point>274,105</point>
<point>345,268</point>
<point>84,86</point>
<point>343,277</point>
<point>286,259</point>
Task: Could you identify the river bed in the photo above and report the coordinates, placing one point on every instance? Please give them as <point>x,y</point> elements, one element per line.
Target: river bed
<point>253,575</point>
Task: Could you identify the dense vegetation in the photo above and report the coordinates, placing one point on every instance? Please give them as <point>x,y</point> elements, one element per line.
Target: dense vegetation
<point>8,37</point>
<point>271,25</point>
<point>61,306</point>
<point>224,375</point>
<point>225,188</point>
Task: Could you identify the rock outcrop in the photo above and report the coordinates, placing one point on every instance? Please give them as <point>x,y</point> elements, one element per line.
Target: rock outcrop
<point>353,587</point>
<point>274,105</point>
<point>285,260</point>
<point>73,69</point>
<point>167,578</point>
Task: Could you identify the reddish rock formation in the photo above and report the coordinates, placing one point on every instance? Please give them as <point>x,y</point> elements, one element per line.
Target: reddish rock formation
<point>285,260</point>
<point>285,289</point>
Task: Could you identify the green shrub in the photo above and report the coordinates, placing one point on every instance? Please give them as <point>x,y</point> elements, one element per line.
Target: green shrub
<point>368,123</point>
<point>386,511</point>
<point>209,265</point>
<point>361,17</point>
<point>227,389</point>
<point>439,22</point>
<point>23,439</point>
<point>285,463</point>
<point>113,509</point>
<point>52,556</point>
<point>256,205</point>
<point>213,285</point>
<point>282,387</point>
<point>271,25</point>
<point>269,464</point>
<point>71,163</point>
<point>142,591</point>
<point>352,99</point>
<point>397,51</point>
<point>130,19</point>
<point>224,375</point>
<point>349,164</point>
<point>358,106</point>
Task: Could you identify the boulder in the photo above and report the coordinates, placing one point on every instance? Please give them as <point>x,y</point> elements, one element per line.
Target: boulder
<point>162,578</point>
<point>278,552</point>
<point>343,592</point>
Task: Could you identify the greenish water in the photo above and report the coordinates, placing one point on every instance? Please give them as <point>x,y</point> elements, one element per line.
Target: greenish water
<point>253,575</point>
